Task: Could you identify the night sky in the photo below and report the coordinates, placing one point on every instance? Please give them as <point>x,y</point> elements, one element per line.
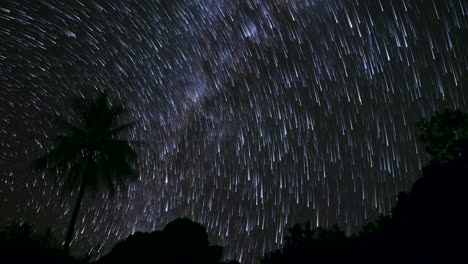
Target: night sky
<point>257,113</point>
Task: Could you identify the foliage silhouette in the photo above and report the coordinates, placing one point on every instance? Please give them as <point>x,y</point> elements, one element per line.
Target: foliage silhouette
<point>19,244</point>
<point>181,241</point>
<point>427,224</point>
<point>445,135</point>
<point>89,153</point>
<point>304,244</point>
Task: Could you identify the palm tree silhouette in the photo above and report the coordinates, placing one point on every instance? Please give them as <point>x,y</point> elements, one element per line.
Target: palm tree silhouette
<point>89,153</point>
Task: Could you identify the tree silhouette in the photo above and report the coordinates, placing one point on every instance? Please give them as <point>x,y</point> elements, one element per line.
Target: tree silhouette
<point>427,224</point>
<point>89,153</point>
<point>181,241</point>
<point>20,244</point>
<point>320,244</point>
<point>445,135</point>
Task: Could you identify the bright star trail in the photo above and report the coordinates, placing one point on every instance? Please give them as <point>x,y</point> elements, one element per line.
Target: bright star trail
<point>257,113</point>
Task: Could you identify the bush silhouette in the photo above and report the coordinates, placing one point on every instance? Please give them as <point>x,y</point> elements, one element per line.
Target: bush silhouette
<point>445,135</point>
<point>427,225</point>
<point>19,244</point>
<point>304,244</point>
<point>181,241</point>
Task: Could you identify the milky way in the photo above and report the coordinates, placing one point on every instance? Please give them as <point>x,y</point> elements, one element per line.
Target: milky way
<point>257,114</point>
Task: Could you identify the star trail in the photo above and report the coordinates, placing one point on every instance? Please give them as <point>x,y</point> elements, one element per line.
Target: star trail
<point>256,114</point>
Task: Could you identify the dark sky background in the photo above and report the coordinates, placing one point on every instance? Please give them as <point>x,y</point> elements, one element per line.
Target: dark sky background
<point>258,113</point>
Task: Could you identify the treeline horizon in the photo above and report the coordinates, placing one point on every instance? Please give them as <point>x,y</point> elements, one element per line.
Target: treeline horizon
<point>427,224</point>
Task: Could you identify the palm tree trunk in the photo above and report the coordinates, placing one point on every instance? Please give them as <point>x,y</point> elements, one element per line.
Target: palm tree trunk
<point>76,210</point>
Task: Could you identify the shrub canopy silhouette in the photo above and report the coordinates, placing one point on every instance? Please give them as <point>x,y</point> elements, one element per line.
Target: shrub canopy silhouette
<point>19,244</point>
<point>181,241</point>
<point>318,245</point>
<point>445,135</point>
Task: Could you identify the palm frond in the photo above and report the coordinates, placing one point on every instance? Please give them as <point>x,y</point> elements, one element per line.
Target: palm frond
<point>113,160</point>
<point>70,128</point>
<point>133,143</point>
<point>116,131</point>
<point>65,150</point>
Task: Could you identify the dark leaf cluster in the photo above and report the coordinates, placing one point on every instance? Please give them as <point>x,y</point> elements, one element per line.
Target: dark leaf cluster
<point>19,243</point>
<point>181,241</point>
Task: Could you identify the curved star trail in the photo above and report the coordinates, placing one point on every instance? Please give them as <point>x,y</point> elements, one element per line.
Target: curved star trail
<point>257,114</point>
